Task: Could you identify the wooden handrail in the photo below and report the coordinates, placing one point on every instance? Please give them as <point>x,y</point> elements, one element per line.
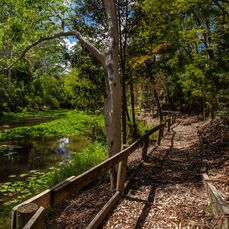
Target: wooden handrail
<point>64,189</point>
<point>57,194</point>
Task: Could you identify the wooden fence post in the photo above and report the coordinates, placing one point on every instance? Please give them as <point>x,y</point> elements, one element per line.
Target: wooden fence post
<point>24,213</point>
<point>159,137</point>
<point>122,169</point>
<point>145,147</point>
<point>169,123</point>
<point>162,130</point>
<point>173,119</point>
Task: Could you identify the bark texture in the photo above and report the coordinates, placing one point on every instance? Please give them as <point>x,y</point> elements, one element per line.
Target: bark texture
<point>113,102</point>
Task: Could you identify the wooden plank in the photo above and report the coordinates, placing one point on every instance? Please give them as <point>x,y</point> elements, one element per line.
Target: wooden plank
<point>145,148</point>
<point>24,213</point>
<point>121,178</point>
<point>42,199</point>
<point>104,211</point>
<point>220,207</point>
<point>71,186</point>
<point>37,220</point>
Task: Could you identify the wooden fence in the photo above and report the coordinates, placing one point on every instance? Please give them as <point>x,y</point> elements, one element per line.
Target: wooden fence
<point>30,214</point>
<point>219,205</point>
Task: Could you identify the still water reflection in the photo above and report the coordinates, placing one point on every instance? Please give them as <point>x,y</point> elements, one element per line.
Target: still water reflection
<point>19,157</point>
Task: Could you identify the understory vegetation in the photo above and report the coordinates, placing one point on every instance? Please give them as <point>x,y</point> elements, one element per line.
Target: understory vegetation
<point>67,123</point>
<point>18,191</point>
<point>86,66</point>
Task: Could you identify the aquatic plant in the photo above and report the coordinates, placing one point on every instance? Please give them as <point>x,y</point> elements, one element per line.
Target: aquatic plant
<point>71,123</point>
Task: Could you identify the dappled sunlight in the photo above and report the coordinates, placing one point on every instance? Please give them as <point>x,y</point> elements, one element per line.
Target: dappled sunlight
<point>167,191</point>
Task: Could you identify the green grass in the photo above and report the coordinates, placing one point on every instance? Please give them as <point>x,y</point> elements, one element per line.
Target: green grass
<point>71,123</point>
<point>93,155</point>
<point>143,127</point>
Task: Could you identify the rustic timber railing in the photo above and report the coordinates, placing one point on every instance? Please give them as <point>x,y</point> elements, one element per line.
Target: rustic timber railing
<point>30,214</point>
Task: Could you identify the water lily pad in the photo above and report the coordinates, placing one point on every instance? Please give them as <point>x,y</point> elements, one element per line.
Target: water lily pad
<point>12,176</point>
<point>37,172</point>
<point>34,171</point>
<point>6,126</point>
<point>7,183</point>
<point>23,175</point>
<point>3,148</point>
<point>9,154</point>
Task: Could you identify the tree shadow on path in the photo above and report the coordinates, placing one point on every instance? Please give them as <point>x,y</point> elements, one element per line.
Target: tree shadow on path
<point>163,166</point>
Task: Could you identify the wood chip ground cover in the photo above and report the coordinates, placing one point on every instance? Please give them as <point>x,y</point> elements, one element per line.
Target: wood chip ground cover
<point>165,192</point>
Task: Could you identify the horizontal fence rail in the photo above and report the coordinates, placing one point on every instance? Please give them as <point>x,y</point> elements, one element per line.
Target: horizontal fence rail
<point>56,195</point>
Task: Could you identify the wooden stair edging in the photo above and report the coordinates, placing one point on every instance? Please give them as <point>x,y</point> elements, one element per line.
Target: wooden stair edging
<point>220,207</point>
<point>56,195</point>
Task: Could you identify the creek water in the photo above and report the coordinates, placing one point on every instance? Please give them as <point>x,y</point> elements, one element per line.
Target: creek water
<point>19,158</point>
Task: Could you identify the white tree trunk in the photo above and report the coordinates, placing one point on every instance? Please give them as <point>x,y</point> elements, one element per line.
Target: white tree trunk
<point>112,111</point>
<point>112,107</point>
<point>113,104</point>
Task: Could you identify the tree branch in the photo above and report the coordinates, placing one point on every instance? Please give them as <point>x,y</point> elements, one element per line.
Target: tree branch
<point>98,55</point>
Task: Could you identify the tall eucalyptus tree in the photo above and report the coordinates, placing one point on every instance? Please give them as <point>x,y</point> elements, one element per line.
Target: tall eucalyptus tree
<point>47,20</point>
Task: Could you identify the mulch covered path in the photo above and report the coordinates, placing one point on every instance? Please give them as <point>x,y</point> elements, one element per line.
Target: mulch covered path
<point>166,192</point>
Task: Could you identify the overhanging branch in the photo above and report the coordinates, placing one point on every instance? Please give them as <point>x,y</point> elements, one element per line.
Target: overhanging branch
<point>98,55</point>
